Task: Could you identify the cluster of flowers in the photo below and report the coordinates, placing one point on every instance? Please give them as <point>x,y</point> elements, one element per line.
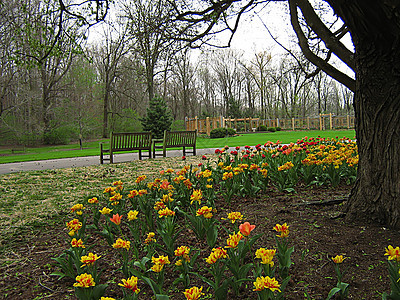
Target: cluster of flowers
<point>113,220</point>
<point>309,160</point>
<point>142,224</point>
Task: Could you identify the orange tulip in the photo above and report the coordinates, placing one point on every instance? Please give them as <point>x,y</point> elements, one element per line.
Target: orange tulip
<point>116,219</point>
<point>246,228</point>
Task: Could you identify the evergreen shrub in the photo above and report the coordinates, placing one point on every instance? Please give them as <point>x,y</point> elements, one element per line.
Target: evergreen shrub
<point>222,132</point>
<point>218,133</point>
<point>158,118</point>
<point>230,131</point>
<point>262,128</point>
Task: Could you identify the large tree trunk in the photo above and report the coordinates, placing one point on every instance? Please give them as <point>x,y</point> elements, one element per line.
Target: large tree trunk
<point>376,194</point>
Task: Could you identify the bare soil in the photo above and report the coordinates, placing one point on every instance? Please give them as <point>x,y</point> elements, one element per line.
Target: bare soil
<point>317,233</point>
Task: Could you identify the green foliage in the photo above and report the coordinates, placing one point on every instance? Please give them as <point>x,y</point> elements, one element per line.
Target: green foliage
<point>178,125</point>
<point>262,128</point>
<point>271,129</point>
<point>234,109</point>
<point>278,128</point>
<point>158,117</point>
<point>230,131</point>
<point>127,121</point>
<point>60,136</point>
<point>218,133</point>
<point>222,132</point>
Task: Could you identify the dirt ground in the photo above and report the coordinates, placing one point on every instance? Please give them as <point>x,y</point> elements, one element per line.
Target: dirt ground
<point>317,233</point>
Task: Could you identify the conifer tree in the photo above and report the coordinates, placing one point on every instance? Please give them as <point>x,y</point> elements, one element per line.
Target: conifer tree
<point>158,117</point>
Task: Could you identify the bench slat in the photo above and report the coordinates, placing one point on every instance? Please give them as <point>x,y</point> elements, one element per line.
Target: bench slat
<point>175,139</point>
<point>127,141</point>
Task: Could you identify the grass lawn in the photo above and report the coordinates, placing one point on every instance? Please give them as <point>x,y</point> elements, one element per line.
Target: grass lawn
<point>92,148</point>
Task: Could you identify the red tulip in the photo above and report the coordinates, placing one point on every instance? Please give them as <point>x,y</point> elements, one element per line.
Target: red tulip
<point>246,228</point>
<point>116,219</point>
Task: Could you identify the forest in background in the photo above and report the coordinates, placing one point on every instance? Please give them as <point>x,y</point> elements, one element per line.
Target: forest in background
<point>55,86</point>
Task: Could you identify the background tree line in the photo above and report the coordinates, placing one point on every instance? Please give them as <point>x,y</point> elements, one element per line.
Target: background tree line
<point>56,86</point>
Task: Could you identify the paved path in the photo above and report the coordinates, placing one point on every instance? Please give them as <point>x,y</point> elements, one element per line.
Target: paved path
<point>80,161</point>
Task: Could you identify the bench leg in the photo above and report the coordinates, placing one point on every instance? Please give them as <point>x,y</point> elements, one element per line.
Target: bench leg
<point>140,154</point>
<point>184,152</point>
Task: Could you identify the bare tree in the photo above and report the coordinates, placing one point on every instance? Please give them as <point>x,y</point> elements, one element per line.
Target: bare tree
<point>107,57</point>
<point>259,70</point>
<point>184,86</point>
<point>150,35</point>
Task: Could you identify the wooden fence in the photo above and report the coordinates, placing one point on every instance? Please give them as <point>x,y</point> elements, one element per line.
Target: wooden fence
<point>321,122</point>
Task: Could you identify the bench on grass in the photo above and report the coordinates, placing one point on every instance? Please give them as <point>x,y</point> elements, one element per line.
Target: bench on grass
<point>126,142</point>
<point>176,139</point>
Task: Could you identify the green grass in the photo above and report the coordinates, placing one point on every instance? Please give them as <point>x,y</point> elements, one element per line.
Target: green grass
<point>92,148</point>
<point>285,137</point>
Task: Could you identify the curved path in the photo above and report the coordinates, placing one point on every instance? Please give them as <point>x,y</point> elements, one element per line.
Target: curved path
<point>81,161</point>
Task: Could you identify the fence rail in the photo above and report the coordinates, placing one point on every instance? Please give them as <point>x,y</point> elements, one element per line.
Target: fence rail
<point>321,122</point>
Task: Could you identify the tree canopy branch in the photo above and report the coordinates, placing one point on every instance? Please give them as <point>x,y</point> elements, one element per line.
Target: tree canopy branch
<point>331,41</point>
<point>316,60</point>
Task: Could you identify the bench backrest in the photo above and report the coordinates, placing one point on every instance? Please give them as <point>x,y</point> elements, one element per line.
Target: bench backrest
<point>130,141</point>
<point>180,138</point>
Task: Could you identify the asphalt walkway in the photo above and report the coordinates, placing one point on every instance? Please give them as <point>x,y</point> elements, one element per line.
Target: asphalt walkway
<point>81,161</point>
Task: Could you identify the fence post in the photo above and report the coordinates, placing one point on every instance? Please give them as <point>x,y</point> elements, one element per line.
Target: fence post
<point>320,122</point>
<point>208,126</point>
<point>330,120</point>
<point>277,122</point>
<point>293,124</point>
<point>348,122</point>
<point>195,124</point>
<point>308,123</point>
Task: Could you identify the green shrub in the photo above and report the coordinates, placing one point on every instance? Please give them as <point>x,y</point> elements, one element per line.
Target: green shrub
<point>158,118</point>
<point>230,131</point>
<point>278,128</point>
<point>218,133</point>
<point>127,121</point>
<point>60,136</point>
<point>240,126</point>
<point>30,139</point>
<point>178,125</point>
<point>271,129</point>
<point>262,128</point>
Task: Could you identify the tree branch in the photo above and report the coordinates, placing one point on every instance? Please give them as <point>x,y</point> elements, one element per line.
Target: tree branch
<point>331,41</point>
<point>316,60</point>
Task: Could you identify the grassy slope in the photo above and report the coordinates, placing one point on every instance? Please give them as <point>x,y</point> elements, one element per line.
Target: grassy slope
<point>92,148</point>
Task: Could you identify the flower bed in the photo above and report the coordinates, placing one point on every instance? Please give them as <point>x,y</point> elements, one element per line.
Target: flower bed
<point>142,223</point>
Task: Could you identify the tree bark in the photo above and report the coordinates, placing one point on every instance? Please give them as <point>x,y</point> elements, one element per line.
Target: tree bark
<point>375,30</point>
<point>376,194</point>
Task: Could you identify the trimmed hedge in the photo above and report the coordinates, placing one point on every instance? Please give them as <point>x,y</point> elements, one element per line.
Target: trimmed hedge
<point>222,132</point>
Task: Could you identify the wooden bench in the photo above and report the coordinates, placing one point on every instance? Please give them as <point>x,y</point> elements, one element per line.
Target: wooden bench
<point>126,141</point>
<point>176,139</point>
